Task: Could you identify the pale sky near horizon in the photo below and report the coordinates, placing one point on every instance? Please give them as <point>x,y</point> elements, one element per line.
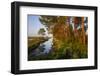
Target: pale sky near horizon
<point>34,25</point>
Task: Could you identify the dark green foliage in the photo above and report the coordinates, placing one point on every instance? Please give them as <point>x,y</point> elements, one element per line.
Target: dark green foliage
<point>48,20</point>
<point>41,31</point>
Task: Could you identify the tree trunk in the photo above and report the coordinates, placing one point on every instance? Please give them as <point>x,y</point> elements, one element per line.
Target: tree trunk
<point>83,31</point>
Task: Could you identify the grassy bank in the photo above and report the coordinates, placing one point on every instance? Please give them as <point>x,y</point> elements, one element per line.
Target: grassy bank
<point>34,42</point>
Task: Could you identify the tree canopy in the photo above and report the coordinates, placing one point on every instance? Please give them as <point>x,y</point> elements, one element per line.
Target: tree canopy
<point>41,31</point>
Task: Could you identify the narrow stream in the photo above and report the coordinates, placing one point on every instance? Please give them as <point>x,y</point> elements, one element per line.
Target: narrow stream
<point>44,48</point>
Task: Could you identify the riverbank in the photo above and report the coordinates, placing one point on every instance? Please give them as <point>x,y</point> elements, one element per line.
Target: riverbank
<point>34,42</point>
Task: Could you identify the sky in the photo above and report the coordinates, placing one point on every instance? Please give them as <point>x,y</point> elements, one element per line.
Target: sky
<point>34,25</point>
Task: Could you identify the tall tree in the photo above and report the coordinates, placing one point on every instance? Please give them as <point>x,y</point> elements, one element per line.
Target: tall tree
<point>83,30</point>
<point>56,25</point>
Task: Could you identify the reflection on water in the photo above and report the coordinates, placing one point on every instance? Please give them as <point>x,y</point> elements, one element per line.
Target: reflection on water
<point>44,48</point>
<point>47,45</point>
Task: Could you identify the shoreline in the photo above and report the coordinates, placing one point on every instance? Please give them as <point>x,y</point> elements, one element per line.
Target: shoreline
<point>34,46</point>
